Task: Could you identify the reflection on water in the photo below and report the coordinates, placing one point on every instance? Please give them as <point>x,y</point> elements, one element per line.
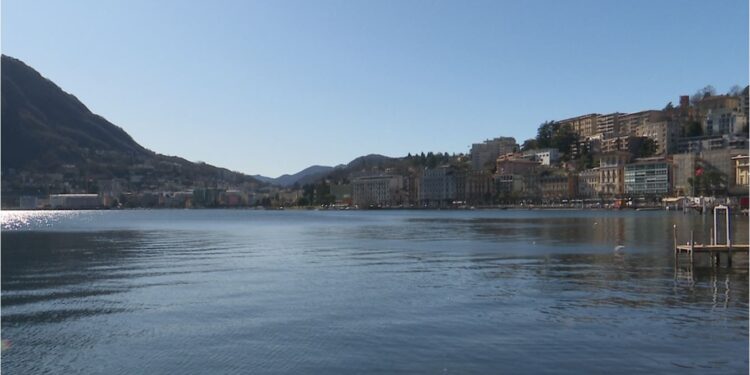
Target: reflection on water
<point>390,291</point>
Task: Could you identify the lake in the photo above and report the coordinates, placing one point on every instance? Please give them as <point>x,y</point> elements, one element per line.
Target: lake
<point>341,292</point>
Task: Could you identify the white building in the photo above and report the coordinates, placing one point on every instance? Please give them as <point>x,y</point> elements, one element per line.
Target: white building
<point>546,156</point>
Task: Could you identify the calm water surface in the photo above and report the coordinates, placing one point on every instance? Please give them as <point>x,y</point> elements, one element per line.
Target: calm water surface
<point>239,291</point>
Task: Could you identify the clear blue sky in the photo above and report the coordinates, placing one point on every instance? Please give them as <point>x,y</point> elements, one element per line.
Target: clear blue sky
<point>272,87</point>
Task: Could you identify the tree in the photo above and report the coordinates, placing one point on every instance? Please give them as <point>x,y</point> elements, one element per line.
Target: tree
<point>648,148</point>
<point>710,181</point>
<point>735,90</point>
<point>693,129</point>
<point>529,144</point>
<point>563,139</point>
<point>668,107</point>
<point>544,134</point>
<point>702,93</point>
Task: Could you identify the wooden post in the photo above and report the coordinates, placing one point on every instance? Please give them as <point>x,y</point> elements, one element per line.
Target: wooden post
<point>676,251</point>
<point>692,245</point>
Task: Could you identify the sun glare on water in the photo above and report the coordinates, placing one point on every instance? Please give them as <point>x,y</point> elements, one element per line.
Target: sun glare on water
<point>21,220</point>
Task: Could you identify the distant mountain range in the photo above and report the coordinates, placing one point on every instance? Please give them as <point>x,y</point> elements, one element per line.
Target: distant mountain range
<point>317,172</point>
<point>301,177</point>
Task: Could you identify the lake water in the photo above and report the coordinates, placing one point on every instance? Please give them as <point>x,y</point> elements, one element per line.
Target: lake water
<point>341,292</point>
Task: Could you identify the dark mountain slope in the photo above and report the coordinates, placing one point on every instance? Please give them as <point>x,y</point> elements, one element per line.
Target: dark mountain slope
<point>43,126</point>
<point>46,130</point>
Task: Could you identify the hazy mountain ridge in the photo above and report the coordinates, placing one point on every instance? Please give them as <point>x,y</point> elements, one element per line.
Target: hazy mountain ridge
<point>287,180</point>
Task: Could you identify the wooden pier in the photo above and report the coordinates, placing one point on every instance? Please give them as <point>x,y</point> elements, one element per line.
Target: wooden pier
<point>714,251</point>
<point>714,248</point>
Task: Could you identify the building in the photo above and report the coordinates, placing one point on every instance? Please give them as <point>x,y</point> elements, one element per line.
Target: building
<point>482,154</point>
<point>376,191</point>
<point>28,202</point>
<point>510,186</point>
<point>546,156</point>
<point>723,121</point>
<point>234,198</point>
<point>696,145</point>
<point>508,165</point>
<point>608,126</point>
<point>629,123</point>
<point>647,176</point>
<point>665,134</point>
<point>556,186</point>
<point>588,183</point>
<point>480,187</point>
<point>178,199</point>
<point>611,173</point>
<point>741,165</point>
<point>589,146</point>
<point>74,201</point>
<point>207,197</point>
<point>718,102</point>
<point>722,114</point>
<point>437,187</point>
<point>585,126</point>
<point>516,177</point>
<point>628,143</point>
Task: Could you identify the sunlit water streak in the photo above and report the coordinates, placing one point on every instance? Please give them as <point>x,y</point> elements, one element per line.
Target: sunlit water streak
<point>239,291</point>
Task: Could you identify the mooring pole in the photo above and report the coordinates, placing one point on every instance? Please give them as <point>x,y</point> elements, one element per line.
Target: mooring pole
<point>692,245</point>
<point>676,252</point>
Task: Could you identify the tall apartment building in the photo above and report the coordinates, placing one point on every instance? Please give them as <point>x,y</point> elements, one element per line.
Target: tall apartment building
<point>586,126</point>
<point>627,143</point>
<point>629,123</point>
<point>664,132</point>
<point>608,126</point>
<point>487,152</point>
